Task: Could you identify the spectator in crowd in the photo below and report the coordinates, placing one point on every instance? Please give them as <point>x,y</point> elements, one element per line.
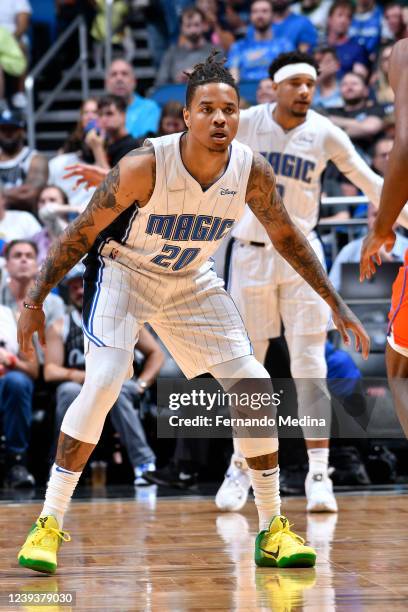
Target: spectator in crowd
<point>381,154</point>
<point>142,115</point>
<point>12,62</point>
<point>192,48</point>
<point>23,171</point>
<point>112,125</point>
<point>366,26</point>
<point>16,395</point>
<point>298,29</point>
<point>327,94</point>
<point>360,118</point>
<point>22,269</point>
<point>53,209</point>
<point>213,30</point>
<point>350,253</point>
<point>65,364</point>
<point>15,17</point>
<point>88,116</point>
<point>349,51</point>
<point>15,224</point>
<point>74,151</point>
<point>250,58</point>
<point>17,377</point>
<point>265,91</point>
<point>395,19</point>
<point>383,90</point>
<point>172,119</point>
<point>317,11</point>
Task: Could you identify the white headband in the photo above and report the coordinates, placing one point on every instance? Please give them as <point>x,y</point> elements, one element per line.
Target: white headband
<point>291,70</point>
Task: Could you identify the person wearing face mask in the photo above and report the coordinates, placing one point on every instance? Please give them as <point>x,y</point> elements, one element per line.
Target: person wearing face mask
<point>23,171</point>
<point>53,208</point>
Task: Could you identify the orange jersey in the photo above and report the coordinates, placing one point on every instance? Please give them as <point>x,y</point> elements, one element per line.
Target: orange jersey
<point>398,314</point>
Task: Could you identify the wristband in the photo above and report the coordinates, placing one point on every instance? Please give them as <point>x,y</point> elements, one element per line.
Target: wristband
<point>142,385</point>
<point>32,306</point>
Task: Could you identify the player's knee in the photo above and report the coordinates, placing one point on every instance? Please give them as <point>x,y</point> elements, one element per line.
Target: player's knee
<point>307,358</point>
<point>241,367</point>
<point>256,447</point>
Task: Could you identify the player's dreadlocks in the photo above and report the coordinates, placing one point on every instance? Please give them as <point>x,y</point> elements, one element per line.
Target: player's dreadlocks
<point>210,71</point>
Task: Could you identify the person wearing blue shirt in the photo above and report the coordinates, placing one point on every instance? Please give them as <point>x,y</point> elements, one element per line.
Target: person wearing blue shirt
<point>349,52</point>
<point>298,29</point>
<point>327,93</point>
<point>142,114</point>
<point>366,26</point>
<point>250,58</point>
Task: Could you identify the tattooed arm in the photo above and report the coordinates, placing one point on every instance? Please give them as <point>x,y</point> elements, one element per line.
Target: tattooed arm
<point>266,204</point>
<point>132,180</point>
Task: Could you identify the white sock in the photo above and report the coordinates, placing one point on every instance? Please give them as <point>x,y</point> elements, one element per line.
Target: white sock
<point>265,484</point>
<point>318,460</point>
<point>60,489</point>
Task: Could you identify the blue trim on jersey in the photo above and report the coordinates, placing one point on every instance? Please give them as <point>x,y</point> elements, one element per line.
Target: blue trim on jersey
<point>89,332</point>
<point>129,227</point>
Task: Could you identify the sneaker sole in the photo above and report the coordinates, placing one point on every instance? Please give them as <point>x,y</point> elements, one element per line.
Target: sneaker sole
<point>321,508</point>
<point>38,566</point>
<point>298,560</point>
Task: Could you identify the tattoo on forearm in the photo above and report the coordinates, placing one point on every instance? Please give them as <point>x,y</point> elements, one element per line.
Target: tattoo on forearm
<point>77,238</point>
<point>266,203</point>
<point>72,454</point>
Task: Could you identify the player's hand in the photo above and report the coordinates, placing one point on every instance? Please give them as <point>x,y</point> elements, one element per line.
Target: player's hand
<point>371,252</point>
<point>89,176</point>
<point>344,319</point>
<point>30,321</point>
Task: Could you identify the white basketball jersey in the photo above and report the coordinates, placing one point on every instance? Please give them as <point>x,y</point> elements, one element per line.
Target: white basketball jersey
<point>181,226</point>
<point>298,157</point>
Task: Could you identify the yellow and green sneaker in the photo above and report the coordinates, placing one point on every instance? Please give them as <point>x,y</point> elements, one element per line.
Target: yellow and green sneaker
<point>278,546</point>
<point>39,551</point>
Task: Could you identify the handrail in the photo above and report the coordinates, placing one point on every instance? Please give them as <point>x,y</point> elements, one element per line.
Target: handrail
<point>108,35</point>
<point>82,63</point>
<point>345,200</point>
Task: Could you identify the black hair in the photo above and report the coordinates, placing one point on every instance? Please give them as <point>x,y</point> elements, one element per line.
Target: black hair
<point>111,99</point>
<point>343,4</point>
<point>294,57</point>
<point>326,50</point>
<point>62,193</point>
<point>210,71</point>
<point>10,245</point>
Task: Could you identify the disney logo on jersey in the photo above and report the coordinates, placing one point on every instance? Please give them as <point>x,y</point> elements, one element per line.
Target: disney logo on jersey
<point>226,191</point>
<point>306,139</point>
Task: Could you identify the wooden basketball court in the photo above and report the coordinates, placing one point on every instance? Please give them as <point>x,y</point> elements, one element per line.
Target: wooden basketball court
<point>182,554</point>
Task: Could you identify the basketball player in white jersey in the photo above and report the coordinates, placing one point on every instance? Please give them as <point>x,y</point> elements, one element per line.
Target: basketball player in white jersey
<point>298,143</point>
<point>149,231</point>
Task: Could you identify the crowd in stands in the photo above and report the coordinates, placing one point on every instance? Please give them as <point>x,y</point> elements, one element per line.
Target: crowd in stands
<point>40,194</point>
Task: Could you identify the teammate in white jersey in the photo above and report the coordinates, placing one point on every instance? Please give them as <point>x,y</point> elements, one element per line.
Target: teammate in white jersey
<point>149,230</point>
<point>298,143</point>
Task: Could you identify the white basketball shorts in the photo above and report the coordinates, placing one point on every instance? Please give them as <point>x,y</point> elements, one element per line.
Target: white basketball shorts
<point>193,315</point>
<point>266,289</point>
